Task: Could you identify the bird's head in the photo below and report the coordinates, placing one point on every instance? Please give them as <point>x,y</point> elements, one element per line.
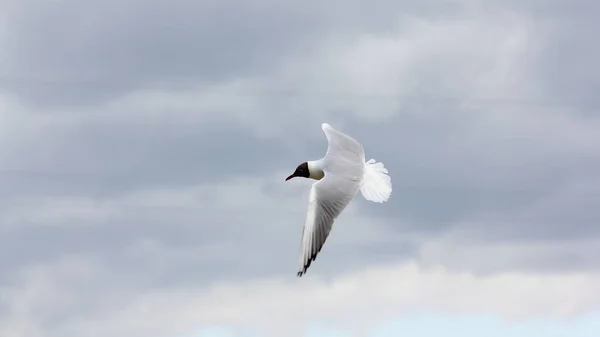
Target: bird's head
<point>301,171</point>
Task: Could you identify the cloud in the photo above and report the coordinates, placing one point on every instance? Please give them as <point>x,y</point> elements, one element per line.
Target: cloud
<point>119,46</point>
<point>99,50</point>
<point>143,148</point>
<point>277,305</point>
<point>258,216</point>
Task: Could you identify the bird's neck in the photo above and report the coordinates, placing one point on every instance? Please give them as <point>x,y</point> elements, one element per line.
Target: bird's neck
<point>315,170</point>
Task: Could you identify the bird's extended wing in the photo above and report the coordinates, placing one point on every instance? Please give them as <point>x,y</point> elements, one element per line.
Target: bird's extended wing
<point>328,198</point>
<point>345,156</point>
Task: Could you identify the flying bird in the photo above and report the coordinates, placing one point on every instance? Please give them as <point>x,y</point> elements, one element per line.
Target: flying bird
<point>340,175</point>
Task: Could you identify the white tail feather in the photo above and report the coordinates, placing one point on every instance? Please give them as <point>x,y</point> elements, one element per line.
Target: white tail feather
<point>376,185</point>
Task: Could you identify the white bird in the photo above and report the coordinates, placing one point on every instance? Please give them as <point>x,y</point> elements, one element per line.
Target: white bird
<point>340,174</point>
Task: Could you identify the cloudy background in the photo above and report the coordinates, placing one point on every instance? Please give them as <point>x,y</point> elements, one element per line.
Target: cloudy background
<point>144,144</point>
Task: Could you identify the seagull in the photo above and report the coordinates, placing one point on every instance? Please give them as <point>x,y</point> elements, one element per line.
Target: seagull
<point>340,175</point>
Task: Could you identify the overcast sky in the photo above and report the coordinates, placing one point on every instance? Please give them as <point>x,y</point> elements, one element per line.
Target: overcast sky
<point>144,147</point>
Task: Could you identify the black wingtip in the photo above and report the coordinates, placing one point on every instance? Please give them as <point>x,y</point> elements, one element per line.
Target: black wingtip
<point>309,262</point>
<point>302,271</point>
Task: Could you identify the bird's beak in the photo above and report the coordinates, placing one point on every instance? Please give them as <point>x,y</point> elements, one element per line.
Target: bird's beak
<point>290,177</point>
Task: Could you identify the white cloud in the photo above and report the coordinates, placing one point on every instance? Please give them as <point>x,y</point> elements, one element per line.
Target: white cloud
<point>281,305</point>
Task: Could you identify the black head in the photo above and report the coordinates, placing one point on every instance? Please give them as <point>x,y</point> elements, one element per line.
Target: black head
<point>301,171</point>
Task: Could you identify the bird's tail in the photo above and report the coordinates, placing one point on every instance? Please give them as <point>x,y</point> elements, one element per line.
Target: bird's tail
<point>376,185</point>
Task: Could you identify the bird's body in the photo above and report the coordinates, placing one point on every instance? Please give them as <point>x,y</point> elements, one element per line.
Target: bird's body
<point>340,174</point>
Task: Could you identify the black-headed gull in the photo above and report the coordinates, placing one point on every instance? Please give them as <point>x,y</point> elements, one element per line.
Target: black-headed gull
<point>340,174</point>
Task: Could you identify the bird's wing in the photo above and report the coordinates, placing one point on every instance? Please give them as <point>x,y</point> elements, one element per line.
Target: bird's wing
<point>328,198</point>
<point>344,168</point>
<point>344,156</point>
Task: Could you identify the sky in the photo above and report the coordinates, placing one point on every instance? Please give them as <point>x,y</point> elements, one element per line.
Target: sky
<point>144,147</point>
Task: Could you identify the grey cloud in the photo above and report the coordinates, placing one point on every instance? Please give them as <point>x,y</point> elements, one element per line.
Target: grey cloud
<point>72,52</point>
<point>87,49</point>
<point>566,214</point>
<point>567,71</point>
<point>200,222</point>
<point>198,242</point>
<point>109,159</point>
<point>440,174</point>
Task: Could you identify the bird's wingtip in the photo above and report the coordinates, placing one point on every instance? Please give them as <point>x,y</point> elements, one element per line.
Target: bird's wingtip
<point>301,271</point>
<point>326,126</point>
